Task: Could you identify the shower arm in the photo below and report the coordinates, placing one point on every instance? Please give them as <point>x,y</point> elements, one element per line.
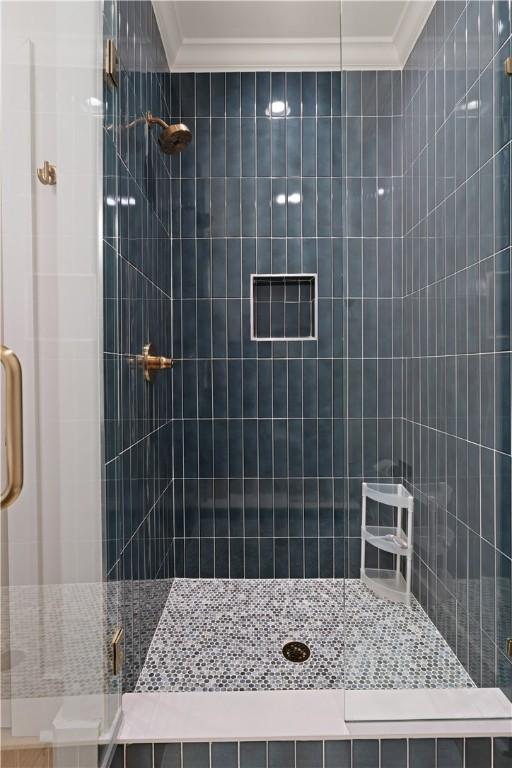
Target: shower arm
<point>155,120</point>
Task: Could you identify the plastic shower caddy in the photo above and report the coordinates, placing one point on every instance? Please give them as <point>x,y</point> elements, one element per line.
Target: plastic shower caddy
<point>387,583</point>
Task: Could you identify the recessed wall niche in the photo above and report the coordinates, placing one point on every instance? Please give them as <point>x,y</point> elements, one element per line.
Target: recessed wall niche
<point>283,307</point>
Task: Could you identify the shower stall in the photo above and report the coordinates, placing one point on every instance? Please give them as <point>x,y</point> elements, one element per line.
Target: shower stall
<point>312,263</point>
<point>264,255</point>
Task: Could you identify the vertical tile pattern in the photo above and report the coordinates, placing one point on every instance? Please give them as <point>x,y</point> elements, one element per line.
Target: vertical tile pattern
<point>502,752</point>
<point>372,312</point>
<point>253,754</point>
<point>258,429</point>
<point>139,756</point>
<point>477,753</point>
<point>456,340</point>
<point>138,526</point>
<point>365,753</point>
<point>393,753</point>
<point>225,755</point>
<point>357,753</point>
<point>167,756</point>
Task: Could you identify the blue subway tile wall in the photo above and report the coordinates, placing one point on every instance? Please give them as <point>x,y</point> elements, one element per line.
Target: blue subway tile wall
<point>358,753</point>
<point>138,525</point>
<point>456,340</point>
<point>372,273</point>
<point>258,425</point>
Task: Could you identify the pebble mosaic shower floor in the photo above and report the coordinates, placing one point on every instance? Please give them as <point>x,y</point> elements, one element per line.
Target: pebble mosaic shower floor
<point>221,635</point>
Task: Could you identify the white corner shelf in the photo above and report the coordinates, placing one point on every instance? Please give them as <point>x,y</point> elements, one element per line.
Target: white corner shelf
<point>387,539</point>
<point>387,583</point>
<point>392,494</point>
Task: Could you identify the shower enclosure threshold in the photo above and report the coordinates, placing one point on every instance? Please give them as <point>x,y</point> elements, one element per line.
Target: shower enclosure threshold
<point>215,669</point>
<point>311,715</point>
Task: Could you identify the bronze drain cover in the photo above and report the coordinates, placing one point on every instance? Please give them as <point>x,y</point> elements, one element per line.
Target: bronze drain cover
<point>296,651</point>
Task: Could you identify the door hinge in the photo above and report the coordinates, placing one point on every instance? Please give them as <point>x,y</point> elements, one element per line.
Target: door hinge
<point>117,651</point>
<point>111,64</point>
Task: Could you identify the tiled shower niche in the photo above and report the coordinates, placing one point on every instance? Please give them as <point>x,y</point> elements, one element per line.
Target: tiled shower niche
<point>283,307</point>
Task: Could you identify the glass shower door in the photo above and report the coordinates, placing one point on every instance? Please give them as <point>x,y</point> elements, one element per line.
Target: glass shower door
<point>427,371</point>
<point>57,689</point>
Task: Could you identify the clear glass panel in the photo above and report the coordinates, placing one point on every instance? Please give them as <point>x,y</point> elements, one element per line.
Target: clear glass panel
<point>427,383</point>
<point>57,686</point>
<point>137,294</point>
<point>254,491</point>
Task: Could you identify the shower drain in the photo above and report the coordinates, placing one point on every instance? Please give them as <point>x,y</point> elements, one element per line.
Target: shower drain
<point>296,651</point>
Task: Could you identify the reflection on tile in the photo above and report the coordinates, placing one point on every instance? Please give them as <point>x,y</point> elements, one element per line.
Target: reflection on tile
<point>502,753</point>
<point>139,756</point>
<point>167,756</point>
<point>450,753</point>
<point>478,753</point>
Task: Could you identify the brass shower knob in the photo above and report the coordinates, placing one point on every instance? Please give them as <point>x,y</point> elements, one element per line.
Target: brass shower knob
<point>150,362</point>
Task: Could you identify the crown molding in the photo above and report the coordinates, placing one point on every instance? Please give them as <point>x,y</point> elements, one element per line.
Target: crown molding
<point>253,54</point>
<point>410,26</point>
<point>289,54</point>
<point>282,54</point>
<point>169,25</point>
<point>372,53</point>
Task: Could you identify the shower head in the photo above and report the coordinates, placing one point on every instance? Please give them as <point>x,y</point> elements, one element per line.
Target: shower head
<point>174,138</point>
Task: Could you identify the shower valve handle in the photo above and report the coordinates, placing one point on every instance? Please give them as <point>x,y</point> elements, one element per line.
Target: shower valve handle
<point>150,362</point>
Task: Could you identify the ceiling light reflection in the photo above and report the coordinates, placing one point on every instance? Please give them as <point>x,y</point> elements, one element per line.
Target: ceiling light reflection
<point>294,198</point>
<point>112,201</point>
<point>277,109</point>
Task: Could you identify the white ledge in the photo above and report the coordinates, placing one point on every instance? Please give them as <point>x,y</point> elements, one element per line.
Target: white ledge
<point>311,715</point>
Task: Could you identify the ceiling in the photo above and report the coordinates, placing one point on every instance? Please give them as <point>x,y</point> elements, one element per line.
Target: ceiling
<point>227,35</point>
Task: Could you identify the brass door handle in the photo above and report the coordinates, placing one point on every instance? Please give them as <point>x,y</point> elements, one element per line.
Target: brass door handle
<point>13,426</point>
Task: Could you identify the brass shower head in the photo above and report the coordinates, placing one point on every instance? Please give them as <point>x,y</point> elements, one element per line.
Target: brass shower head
<point>174,138</point>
